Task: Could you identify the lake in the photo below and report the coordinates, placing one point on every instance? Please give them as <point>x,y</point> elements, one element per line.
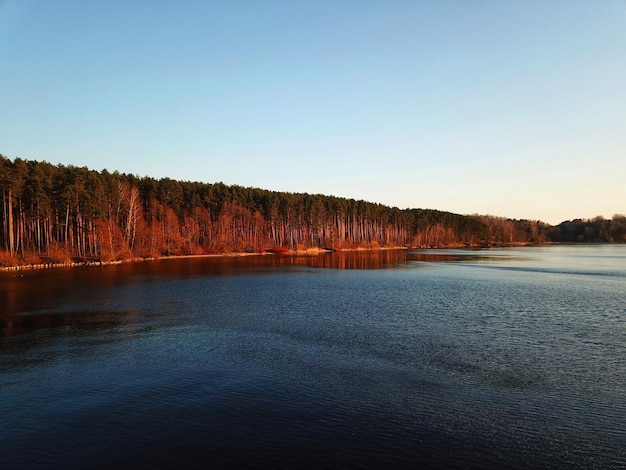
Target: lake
<point>491,359</point>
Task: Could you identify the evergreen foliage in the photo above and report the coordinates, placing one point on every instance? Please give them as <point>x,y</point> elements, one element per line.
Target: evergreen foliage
<point>56,213</point>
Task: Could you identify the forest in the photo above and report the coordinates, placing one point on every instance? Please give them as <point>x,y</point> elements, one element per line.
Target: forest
<point>61,214</point>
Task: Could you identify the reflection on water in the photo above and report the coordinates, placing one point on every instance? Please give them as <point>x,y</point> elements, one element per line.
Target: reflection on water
<point>509,358</point>
<point>41,291</point>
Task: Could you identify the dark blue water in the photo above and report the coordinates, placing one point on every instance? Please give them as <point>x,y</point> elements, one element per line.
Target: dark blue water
<point>512,358</point>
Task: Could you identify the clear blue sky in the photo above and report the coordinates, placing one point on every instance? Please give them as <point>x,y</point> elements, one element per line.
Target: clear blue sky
<point>515,109</point>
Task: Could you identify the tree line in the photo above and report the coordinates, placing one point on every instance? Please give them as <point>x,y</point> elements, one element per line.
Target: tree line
<point>57,213</point>
<point>596,230</point>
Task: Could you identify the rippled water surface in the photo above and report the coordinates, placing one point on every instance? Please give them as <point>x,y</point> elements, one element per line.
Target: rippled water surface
<point>507,358</point>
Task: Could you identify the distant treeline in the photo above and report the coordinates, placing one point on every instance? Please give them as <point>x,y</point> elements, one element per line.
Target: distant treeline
<point>56,213</point>
<point>596,230</point>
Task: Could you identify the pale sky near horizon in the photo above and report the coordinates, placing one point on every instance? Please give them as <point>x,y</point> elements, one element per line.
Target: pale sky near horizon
<point>515,109</point>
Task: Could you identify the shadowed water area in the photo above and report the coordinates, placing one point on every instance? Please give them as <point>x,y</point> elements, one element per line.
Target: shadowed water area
<point>501,358</point>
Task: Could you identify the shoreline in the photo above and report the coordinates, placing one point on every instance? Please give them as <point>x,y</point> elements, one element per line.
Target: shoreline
<point>305,252</point>
<point>87,263</point>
